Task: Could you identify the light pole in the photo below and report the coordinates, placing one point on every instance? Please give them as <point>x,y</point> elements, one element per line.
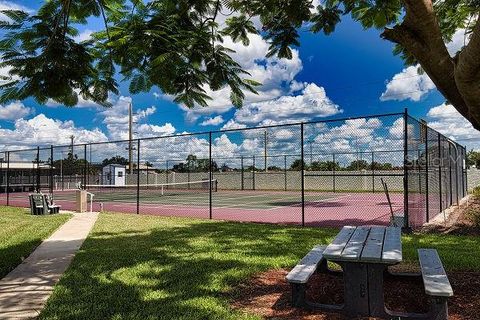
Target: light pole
<point>130,139</point>
<point>72,138</point>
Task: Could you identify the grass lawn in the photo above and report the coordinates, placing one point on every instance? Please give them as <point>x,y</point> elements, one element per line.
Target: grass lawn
<point>21,233</point>
<point>145,267</point>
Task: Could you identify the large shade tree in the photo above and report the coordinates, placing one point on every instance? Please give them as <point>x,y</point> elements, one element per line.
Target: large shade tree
<point>177,45</point>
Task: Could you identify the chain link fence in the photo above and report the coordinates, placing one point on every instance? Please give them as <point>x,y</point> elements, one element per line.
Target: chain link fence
<point>328,173</point>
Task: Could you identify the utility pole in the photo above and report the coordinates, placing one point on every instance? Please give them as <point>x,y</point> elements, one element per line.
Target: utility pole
<point>310,142</point>
<point>130,138</point>
<point>72,138</point>
<point>265,143</point>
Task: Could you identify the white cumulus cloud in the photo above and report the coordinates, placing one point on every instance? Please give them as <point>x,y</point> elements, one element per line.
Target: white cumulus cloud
<point>313,102</point>
<point>408,84</point>
<point>41,130</point>
<point>14,111</point>
<point>275,75</point>
<point>448,121</point>
<point>212,121</point>
<point>116,120</point>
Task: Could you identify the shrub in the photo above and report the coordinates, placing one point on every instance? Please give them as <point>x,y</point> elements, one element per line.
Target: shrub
<point>474,216</point>
<point>476,191</point>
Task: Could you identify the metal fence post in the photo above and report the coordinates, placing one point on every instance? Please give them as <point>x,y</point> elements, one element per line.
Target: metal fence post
<point>456,175</point>
<point>242,174</point>
<point>373,172</point>
<point>285,172</point>
<point>440,161</point>
<point>253,173</point>
<point>89,163</point>
<point>302,166</point>
<point>334,173</point>
<point>51,170</point>
<point>210,174</point>
<point>405,169</point>
<point>465,174</point>
<point>427,198</point>
<point>38,170</point>
<point>85,167</point>
<point>138,176</point>
<point>419,172</point>
<point>450,171</point>
<point>8,178</point>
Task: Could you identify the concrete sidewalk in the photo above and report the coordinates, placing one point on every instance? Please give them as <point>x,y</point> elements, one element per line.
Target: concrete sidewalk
<point>24,291</point>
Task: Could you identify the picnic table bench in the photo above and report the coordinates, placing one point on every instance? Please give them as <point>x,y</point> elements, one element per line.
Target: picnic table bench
<point>364,254</point>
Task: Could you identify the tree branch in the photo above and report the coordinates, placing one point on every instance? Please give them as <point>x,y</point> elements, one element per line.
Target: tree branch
<point>421,36</point>
<point>467,73</point>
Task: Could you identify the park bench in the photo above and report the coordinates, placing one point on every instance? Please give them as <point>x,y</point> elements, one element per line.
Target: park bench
<point>301,273</point>
<point>41,204</point>
<point>436,283</point>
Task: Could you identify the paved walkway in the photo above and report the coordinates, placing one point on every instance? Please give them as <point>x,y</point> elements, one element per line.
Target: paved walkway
<point>24,291</point>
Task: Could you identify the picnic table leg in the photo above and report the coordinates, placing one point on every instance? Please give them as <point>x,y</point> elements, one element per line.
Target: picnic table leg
<point>355,289</point>
<point>439,308</point>
<point>375,290</point>
<point>298,294</point>
<point>376,272</point>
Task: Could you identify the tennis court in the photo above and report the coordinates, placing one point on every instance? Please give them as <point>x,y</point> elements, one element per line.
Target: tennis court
<point>328,173</point>
<point>193,200</point>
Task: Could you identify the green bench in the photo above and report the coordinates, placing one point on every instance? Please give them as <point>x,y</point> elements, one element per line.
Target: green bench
<point>41,204</point>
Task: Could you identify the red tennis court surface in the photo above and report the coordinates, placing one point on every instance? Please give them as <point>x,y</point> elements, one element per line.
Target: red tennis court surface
<point>321,209</point>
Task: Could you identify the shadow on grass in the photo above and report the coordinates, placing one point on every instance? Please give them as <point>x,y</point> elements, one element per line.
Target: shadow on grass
<point>12,255</point>
<point>144,267</point>
<point>21,233</point>
<point>171,269</point>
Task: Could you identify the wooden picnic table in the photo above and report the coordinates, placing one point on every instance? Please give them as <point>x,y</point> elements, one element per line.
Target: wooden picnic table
<point>365,253</point>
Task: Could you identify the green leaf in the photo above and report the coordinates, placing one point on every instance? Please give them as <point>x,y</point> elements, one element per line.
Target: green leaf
<point>17,16</point>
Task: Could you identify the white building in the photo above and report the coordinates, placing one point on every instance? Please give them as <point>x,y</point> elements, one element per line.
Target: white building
<point>113,174</point>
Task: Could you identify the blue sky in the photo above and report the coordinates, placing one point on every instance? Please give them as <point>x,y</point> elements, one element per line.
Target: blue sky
<point>349,73</point>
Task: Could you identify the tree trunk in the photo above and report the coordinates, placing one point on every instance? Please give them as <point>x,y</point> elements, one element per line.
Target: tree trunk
<point>421,36</point>
<point>467,73</point>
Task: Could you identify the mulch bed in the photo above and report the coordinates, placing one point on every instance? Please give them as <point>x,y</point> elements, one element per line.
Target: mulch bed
<point>268,295</point>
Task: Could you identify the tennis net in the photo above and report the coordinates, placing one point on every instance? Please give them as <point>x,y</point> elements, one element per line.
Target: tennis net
<point>163,189</point>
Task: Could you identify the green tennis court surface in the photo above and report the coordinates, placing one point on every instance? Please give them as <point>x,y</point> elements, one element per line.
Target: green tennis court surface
<point>227,199</point>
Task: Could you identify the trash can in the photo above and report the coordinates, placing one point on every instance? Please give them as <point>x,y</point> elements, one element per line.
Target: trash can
<point>81,203</point>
